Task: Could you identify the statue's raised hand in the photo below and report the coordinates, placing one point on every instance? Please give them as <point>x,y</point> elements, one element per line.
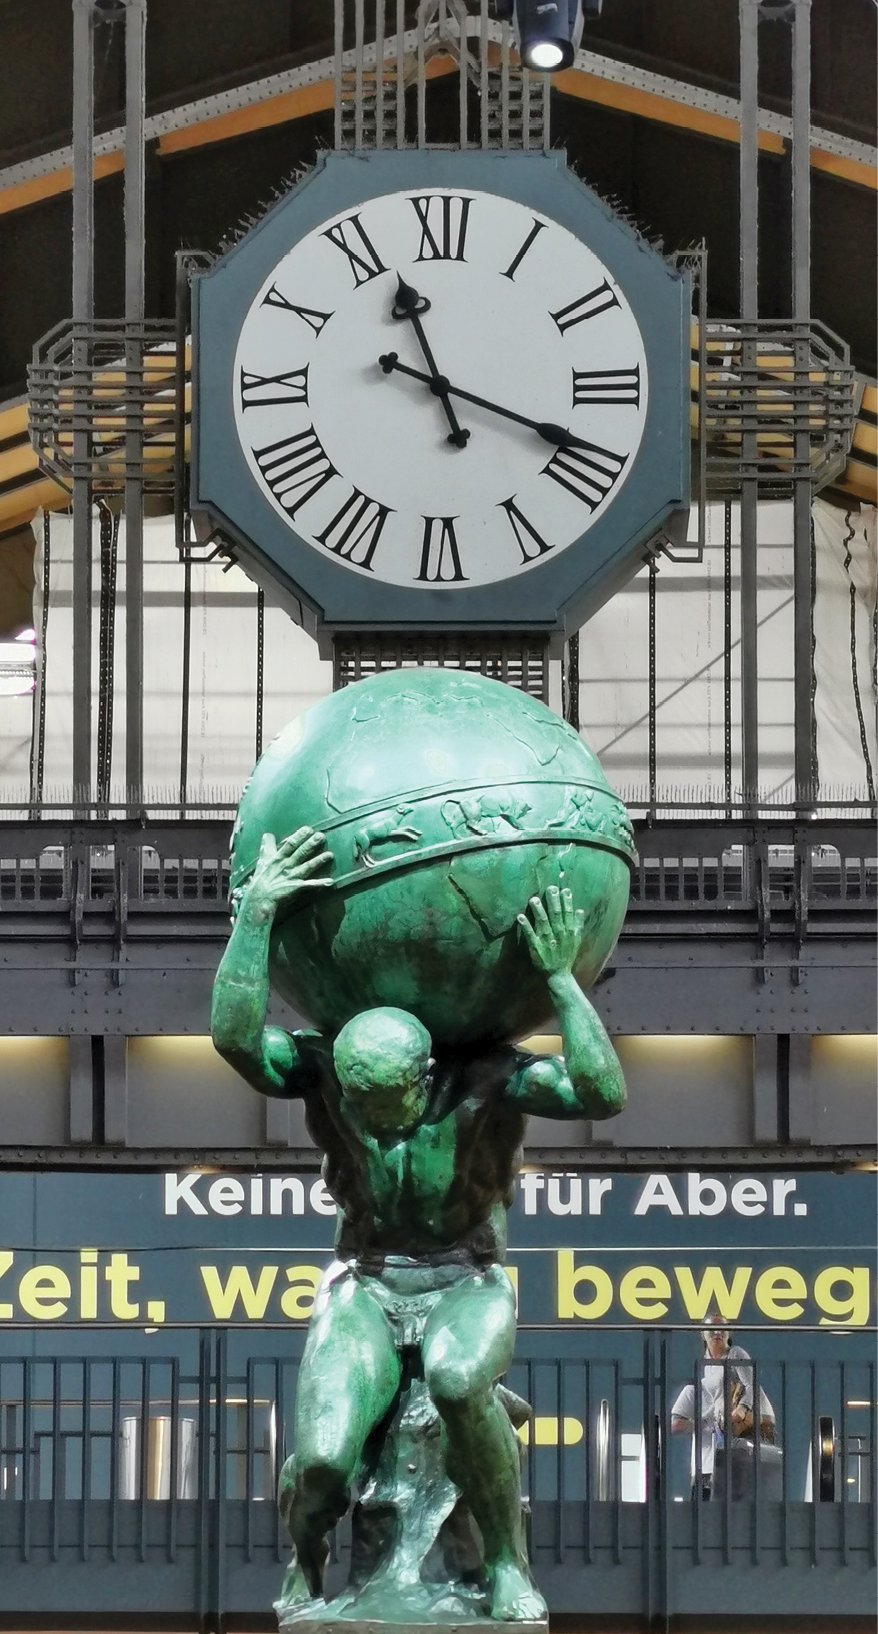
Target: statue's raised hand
<point>285,871</point>
<point>555,937</point>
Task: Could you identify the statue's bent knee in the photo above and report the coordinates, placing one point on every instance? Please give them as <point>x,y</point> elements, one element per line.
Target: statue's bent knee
<point>456,1388</point>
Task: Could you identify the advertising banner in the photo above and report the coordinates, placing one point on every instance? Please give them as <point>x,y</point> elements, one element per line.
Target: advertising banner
<point>767,1250</point>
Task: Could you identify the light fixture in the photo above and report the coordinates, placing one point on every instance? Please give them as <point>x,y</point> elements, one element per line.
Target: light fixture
<point>547,32</point>
<point>28,634</point>
<point>17,666</point>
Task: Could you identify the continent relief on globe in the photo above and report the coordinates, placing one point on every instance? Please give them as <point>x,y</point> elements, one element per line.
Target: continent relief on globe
<point>447,801</point>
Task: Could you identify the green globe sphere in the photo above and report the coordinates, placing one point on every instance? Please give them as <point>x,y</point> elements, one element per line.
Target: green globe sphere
<point>447,801</point>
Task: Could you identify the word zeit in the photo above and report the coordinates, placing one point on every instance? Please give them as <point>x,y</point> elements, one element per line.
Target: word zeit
<point>693,1196</point>
<point>93,1284</point>
<point>296,468</point>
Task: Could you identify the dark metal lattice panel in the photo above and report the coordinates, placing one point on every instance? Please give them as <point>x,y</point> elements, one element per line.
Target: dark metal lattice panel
<point>520,661</point>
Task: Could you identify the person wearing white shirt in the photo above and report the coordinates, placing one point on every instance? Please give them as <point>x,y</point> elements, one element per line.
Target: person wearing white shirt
<point>720,1357</point>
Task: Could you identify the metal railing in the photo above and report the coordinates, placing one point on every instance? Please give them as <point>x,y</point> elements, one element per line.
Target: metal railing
<point>779,404</point>
<point>509,107</point>
<point>159,1466</point>
<point>56,866</point>
<point>86,397</point>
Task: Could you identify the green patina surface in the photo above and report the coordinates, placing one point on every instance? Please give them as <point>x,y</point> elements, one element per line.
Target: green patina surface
<point>427,865</point>
<point>447,801</point>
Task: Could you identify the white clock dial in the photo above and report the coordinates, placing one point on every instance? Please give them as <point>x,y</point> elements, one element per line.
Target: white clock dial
<point>514,310</point>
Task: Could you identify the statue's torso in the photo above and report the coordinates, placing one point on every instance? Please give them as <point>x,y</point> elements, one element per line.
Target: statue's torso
<point>443,1186</point>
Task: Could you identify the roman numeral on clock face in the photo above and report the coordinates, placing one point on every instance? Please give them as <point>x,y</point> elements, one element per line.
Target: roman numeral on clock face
<point>259,390</point>
<point>586,306</point>
<point>443,219</point>
<point>516,261</point>
<point>355,529</point>
<point>438,551</point>
<point>351,238</point>
<point>530,543</point>
<point>295,469</point>
<point>606,386</point>
<point>588,472</point>
<point>315,320</point>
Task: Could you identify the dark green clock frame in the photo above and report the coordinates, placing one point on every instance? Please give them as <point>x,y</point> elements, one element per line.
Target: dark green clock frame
<point>564,591</point>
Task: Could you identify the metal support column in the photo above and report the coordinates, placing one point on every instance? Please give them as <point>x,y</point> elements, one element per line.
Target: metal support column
<point>749,251</point>
<point>83,310</point>
<point>135,197</point>
<point>801,290</point>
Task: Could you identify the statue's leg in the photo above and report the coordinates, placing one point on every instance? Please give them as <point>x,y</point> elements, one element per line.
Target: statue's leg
<point>347,1381</point>
<point>468,1344</point>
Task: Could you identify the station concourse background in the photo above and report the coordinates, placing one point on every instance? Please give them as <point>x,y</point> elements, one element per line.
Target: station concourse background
<point>163,1228</point>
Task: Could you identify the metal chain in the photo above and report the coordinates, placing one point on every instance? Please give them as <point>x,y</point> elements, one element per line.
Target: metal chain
<point>858,702</point>
<point>109,540</point>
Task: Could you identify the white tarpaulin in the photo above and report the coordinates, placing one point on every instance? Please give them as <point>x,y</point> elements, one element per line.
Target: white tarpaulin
<point>614,669</point>
<point>222,684</point>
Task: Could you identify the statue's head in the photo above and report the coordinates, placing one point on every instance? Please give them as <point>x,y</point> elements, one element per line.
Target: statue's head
<point>383,1064</point>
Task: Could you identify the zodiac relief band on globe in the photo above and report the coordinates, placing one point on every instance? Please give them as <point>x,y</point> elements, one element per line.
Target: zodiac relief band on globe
<point>428,865</point>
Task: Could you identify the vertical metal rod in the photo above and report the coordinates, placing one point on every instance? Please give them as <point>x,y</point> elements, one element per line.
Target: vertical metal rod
<point>380,85</point>
<point>359,39</point>
<point>339,48</point>
<point>135,223</point>
<point>484,126</point>
<point>83,312</point>
<point>86,1457</point>
<point>57,1455</point>
<point>801,286</point>
<point>872,1468</point>
<point>221,1461</point>
<point>505,39</point>
<point>422,81</point>
<point>749,249</point>
<point>701,281</point>
<point>463,78</point>
<point>400,73</point>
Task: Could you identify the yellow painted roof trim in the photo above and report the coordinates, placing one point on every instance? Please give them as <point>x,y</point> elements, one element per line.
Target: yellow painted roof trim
<point>318,98</point>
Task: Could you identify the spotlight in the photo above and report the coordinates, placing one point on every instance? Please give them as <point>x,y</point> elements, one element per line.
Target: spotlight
<point>547,32</point>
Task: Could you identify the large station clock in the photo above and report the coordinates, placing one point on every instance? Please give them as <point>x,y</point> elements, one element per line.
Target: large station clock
<point>442,389</point>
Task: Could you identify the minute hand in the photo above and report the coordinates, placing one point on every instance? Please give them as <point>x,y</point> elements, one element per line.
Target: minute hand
<point>558,436</point>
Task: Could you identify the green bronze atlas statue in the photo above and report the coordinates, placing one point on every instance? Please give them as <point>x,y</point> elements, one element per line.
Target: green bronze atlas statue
<point>427,865</point>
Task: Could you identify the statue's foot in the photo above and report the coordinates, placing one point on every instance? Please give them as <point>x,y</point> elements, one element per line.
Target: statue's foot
<point>513,1596</point>
<point>296,1592</point>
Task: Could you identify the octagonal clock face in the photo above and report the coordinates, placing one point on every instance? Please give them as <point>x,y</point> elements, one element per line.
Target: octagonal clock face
<point>440,388</point>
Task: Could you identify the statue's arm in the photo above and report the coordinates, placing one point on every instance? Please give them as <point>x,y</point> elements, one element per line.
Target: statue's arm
<point>266,1056</point>
<point>586,1081</point>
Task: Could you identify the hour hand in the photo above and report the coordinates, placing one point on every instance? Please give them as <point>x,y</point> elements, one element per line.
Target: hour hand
<point>409,305</point>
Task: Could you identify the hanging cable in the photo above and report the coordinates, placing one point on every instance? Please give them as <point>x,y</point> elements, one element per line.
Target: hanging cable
<point>855,679</point>
<point>38,736</point>
<point>109,542</point>
<point>260,667</point>
<point>653,703</point>
<point>573,681</point>
<point>727,653</point>
<point>184,690</point>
